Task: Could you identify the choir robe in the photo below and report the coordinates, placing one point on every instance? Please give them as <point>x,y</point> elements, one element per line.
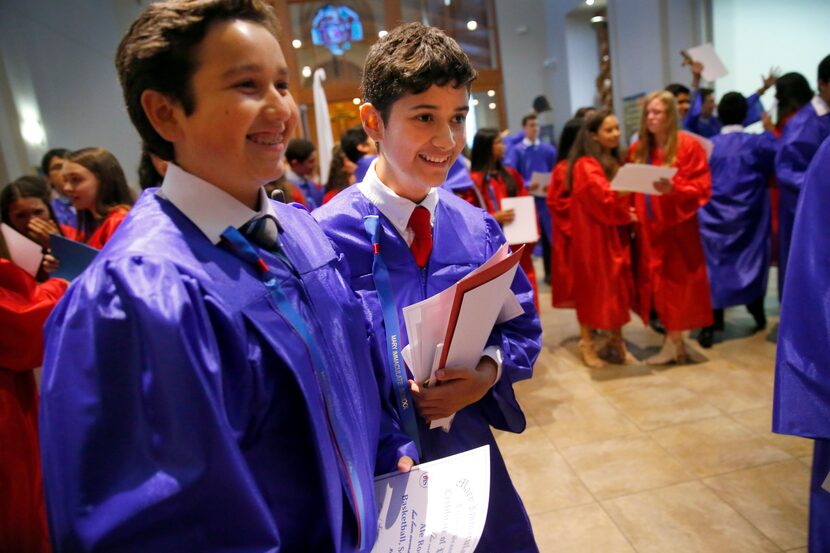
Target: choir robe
<point>670,267</point>
<point>64,212</point>
<point>493,191</point>
<point>24,306</point>
<point>363,166</point>
<point>712,126</point>
<point>559,205</point>
<point>527,159</point>
<point>735,224</point>
<point>800,138</point>
<point>801,403</point>
<point>600,249</point>
<point>105,230</point>
<point>463,238</point>
<point>181,411</point>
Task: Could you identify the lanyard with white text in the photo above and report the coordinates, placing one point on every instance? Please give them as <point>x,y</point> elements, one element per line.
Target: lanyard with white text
<point>243,249</point>
<point>397,372</point>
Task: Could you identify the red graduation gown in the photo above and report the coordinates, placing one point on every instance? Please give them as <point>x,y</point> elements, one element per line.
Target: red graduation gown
<point>24,307</point>
<point>498,193</point>
<point>600,249</point>
<point>559,204</point>
<point>670,264</point>
<point>103,233</point>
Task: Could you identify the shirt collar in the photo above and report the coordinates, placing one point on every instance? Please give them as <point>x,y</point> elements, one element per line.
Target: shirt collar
<point>727,129</point>
<point>208,207</point>
<point>395,208</point>
<point>526,141</point>
<point>820,106</point>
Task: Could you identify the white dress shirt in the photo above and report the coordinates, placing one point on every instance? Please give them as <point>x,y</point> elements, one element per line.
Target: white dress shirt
<point>208,207</point>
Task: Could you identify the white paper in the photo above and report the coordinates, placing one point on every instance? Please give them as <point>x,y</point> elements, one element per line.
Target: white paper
<point>703,141</point>
<point>713,67</point>
<point>23,252</point>
<point>523,229</point>
<point>640,177</point>
<point>826,484</point>
<point>510,310</point>
<point>480,307</point>
<point>440,506</point>
<point>539,183</point>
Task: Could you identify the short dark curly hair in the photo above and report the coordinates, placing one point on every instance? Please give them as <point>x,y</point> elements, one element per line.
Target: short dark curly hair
<point>409,60</point>
<point>157,53</point>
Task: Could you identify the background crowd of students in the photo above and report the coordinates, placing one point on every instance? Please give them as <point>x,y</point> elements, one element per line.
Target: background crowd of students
<point>677,258</point>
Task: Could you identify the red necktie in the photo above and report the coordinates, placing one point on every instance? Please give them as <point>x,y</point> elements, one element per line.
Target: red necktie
<point>422,244</point>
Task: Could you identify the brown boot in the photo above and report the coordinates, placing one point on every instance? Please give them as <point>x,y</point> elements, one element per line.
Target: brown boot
<point>589,355</point>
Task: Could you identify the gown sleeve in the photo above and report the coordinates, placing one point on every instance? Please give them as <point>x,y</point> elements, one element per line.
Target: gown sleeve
<point>520,340</point>
<point>754,109</point>
<point>153,464</point>
<point>763,153</point>
<point>801,403</point>
<point>801,138</point>
<point>24,307</point>
<point>596,196</point>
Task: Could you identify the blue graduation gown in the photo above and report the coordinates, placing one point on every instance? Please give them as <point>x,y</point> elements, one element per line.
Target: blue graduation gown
<point>464,237</point>
<point>801,404</point>
<point>800,138</point>
<point>735,224</point>
<point>64,212</point>
<point>712,126</point>
<point>526,160</point>
<point>179,410</point>
<point>362,166</point>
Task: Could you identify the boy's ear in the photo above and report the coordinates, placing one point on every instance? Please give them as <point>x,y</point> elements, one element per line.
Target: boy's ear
<point>163,114</point>
<point>372,121</point>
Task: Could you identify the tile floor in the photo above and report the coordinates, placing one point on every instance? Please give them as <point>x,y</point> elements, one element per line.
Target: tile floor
<point>676,459</point>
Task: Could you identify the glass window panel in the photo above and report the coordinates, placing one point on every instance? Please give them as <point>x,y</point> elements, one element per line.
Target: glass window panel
<point>344,30</point>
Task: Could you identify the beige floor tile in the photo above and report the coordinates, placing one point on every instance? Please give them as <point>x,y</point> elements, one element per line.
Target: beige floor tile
<point>529,441</point>
<point>584,529</point>
<point>624,465</point>
<point>655,401</point>
<point>687,518</point>
<point>760,421</point>
<point>716,446</point>
<point>773,497</point>
<point>725,385</point>
<point>581,421</point>
<point>545,482</point>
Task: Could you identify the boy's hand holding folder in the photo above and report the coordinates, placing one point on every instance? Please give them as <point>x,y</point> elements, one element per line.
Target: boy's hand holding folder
<point>448,333</point>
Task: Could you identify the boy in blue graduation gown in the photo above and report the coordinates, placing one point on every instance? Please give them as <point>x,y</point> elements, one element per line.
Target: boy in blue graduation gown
<point>801,405</point>
<point>701,118</point>
<point>205,386</point>
<point>416,86</point>
<point>800,138</point>
<point>529,156</point>
<point>735,223</point>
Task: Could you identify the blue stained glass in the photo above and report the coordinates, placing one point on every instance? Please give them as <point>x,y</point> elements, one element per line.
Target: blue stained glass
<point>336,27</point>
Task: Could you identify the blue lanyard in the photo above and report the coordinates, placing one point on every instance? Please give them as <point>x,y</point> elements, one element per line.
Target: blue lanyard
<point>383,285</point>
<point>649,209</point>
<point>243,249</point>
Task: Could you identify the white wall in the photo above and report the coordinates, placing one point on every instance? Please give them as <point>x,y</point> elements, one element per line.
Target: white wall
<point>753,36</point>
<point>58,59</point>
<point>583,59</point>
<point>522,34</point>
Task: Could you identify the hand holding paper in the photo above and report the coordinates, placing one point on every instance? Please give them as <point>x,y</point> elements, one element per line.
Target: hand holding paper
<point>454,389</point>
<point>523,229</point>
<point>641,177</point>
